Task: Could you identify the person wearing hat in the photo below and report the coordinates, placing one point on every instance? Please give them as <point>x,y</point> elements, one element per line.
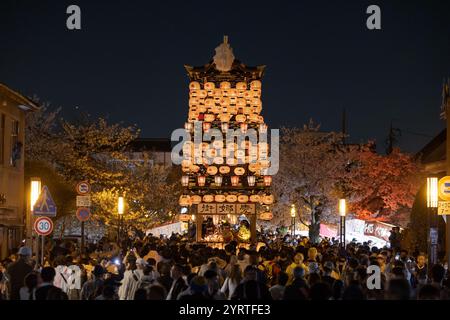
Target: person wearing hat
<point>17,272</point>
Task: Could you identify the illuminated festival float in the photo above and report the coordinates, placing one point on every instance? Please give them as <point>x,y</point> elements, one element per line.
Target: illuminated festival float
<point>226,182</point>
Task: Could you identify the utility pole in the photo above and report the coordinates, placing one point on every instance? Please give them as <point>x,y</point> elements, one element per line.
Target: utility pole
<point>446,110</point>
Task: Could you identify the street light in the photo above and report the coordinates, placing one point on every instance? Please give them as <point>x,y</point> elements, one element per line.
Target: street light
<point>432,204</point>
<point>293,214</point>
<point>342,214</point>
<point>120,211</point>
<point>35,190</point>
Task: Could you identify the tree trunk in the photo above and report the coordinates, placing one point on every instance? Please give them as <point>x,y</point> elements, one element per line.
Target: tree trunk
<point>314,227</point>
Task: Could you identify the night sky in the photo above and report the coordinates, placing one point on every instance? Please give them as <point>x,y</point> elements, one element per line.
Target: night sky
<point>127,61</point>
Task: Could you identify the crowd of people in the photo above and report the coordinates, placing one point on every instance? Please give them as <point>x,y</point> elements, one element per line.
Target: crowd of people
<point>152,268</point>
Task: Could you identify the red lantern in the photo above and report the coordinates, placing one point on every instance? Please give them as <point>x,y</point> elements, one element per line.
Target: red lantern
<point>267,180</point>
<point>201,180</point>
<point>234,181</point>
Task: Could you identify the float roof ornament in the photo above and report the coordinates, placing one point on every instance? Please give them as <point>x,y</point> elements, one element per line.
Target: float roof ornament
<point>224,56</point>
<point>224,67</point>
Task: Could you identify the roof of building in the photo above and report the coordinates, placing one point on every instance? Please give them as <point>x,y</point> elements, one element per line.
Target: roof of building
<point>23,102</point>
<point>233,70</point>
<point>435,150</point>
<point>151,144</point>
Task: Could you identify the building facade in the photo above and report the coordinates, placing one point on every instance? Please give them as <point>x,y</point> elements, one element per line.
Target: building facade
<point>13,107</point>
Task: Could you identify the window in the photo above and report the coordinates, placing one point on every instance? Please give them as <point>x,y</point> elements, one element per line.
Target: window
<point>16,148</point>
<point>2,138</point>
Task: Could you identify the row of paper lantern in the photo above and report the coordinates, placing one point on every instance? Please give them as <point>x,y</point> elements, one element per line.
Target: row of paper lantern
<point>210,158</point>
<point>190,147</point>
<point>235,180</point>
<point>231,109</point>
<point>188,200</point>
<point>253,166</point>
<point>225,93</point>
<point>225,117</point>
<point>254,85</point>
<point>225,126</point>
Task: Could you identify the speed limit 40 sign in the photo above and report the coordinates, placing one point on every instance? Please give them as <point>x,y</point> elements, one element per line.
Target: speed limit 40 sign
<point>43,226</point>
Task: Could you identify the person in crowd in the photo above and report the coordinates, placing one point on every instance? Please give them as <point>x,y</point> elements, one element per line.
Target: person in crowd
<point>94,286</point>
<point>212,280</point>
<point>277,291</point>
<point>46,290</point>
<point>17,271</point>
<point>198,288</point>
<point>298,262</point>
<point>27,292</point>
<point>232,281</point>
<point>251,288</point>
<point>130,281</point>
<point>178,283</point>
<point>298,289</point>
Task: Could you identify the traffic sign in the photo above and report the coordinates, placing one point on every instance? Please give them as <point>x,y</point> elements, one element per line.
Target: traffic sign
<point>83,214</point>
<point>45,206</point>
<point>84,201</point>
<point>444,188</point>
<point>43,226</point>
<point>83,188</point>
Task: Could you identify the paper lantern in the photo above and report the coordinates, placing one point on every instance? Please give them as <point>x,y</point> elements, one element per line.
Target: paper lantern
<point>206,126</point>
<point>186,163</point>
<point>225,85</point>
<point>239,171</point>
<point>251,180</point>
<point>268,199</point>
<point>240,102</point>
<point>212,170</point>
<point>224,101</point>
<point>232,93</point>
<point>248,94</point>
<point>217,93</point>
<point>185,181</point>
<point>194,85</point>
<point>234,181</point>
<point>224,169</point>
<point>255,84</point>
<point>244,127</point>
<point>196,199</point>
<point>256,102</point>
<point>225,118</point>
<point>267,181</point>
<point>232,109</point>
<point>209,86</point>
<point>185,200</point>
<point>241,86</point>
<point>219,198</point>
<point>209,103</point>
<point>231,198</point>
<point>193,102</point>
<point>253,167</point>
<point>242,198</point>
<point>209,117</point>
<point>256,93</point>
<point>185,169</point>
<point>241,118</point>
<point>267,216</point>
<point>218,160</point>
<point>201,180</point>
<point>184,217</point>
<point>194,168</point>
<point>232,161</point>
<point>208,198</point>
<point>255,198</point>
<point>202,93</point>
<point>218,180</point>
